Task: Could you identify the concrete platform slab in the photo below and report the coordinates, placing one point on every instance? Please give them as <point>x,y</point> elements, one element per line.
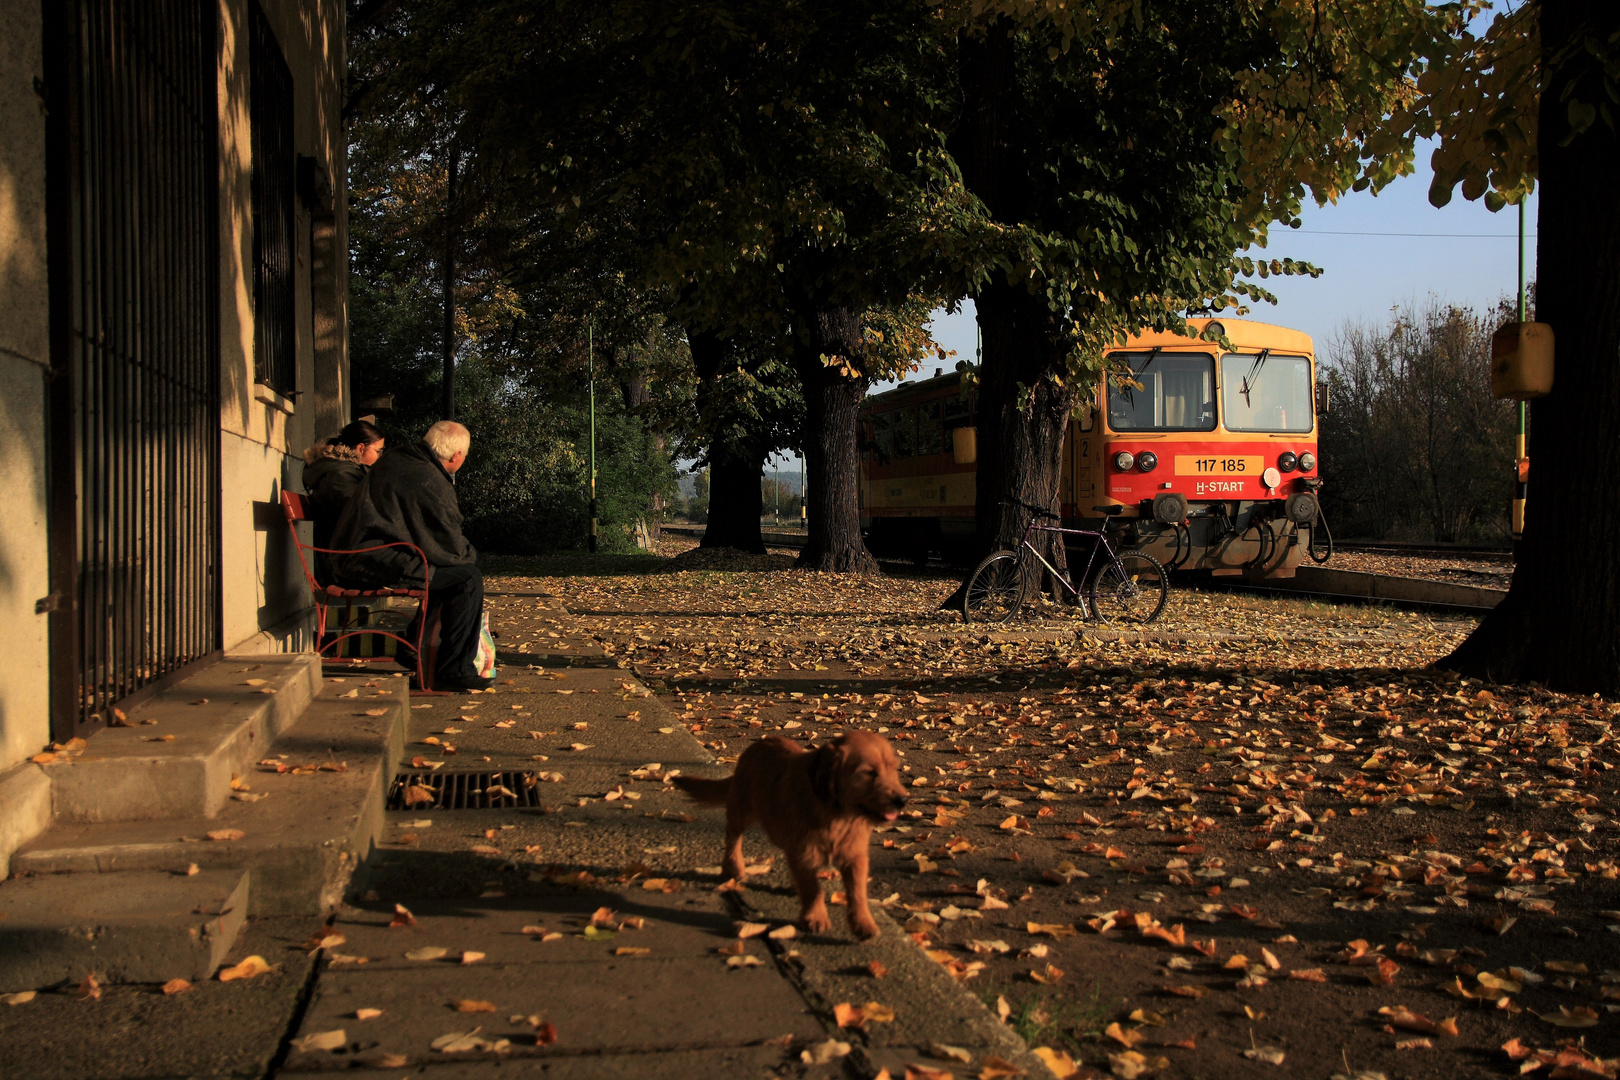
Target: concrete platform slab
<point>134,1032</point>
<point>605,1004</point>
<point>141,927</point>
<point>766,1062</point>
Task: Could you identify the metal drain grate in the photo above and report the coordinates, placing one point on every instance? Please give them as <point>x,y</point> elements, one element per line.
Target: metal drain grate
<point>464,790</point>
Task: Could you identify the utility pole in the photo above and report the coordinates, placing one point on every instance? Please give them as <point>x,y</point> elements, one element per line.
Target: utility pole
<point>776,492</point>
<point>804,496</point>
<point>449,344</point>
<point>590,369</point>
<point>1521,461</point>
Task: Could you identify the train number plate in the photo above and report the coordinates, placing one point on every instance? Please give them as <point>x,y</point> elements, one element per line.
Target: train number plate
<point>1218,465</point>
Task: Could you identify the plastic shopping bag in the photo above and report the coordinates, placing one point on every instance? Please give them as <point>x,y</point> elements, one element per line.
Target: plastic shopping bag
<point>484,659</point>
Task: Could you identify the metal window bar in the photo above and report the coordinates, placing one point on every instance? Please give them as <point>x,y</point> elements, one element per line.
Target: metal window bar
<point>274,184</point>
<point>132,214</point>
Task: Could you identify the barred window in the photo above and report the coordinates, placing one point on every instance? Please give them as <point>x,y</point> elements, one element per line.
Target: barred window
<point>275,356</point>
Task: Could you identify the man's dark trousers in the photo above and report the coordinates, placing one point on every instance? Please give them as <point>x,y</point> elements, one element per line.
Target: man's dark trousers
<point>456,594</point>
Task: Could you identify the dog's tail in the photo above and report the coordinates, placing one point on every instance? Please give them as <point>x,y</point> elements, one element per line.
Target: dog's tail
<point>712,792</point>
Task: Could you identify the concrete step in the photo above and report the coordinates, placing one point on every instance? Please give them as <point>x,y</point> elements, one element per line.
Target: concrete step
<point>303,833</point>
<point>138,927</point>
<point>182,747</point>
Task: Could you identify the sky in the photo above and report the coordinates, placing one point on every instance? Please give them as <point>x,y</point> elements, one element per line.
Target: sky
<point>1376,252</point>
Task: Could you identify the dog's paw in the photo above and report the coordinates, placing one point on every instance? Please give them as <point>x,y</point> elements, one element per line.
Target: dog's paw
<point>864,929</point>
<point>816,921</point>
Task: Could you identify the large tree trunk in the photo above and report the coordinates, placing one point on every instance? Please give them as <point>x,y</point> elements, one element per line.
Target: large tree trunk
<point>832,401</point>
<point>1560,622</point>
<point>735,501</point>
<point>1025,397</point>
<point>1024,406</point>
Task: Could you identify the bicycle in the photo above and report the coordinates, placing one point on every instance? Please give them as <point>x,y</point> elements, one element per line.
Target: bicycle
<point>1128,586</point>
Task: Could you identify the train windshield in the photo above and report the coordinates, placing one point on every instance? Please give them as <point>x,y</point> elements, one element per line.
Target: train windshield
<point>1266,391</point>
<point>1173,392</point>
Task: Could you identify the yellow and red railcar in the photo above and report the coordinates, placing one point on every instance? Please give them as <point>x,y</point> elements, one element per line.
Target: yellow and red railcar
<point>1207,455</point>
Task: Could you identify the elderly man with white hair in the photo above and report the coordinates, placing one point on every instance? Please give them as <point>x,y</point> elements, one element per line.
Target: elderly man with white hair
<point>409,495</point>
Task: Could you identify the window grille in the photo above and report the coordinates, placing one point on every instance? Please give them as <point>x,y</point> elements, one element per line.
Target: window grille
<point>275,171</point>
<point>132,216</point>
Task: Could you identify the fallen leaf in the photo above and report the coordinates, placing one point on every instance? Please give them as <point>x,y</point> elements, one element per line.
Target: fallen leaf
<point>1062,1065</point>
<point>1578,1017</point>
<point>367,1014</point>
<point>325,1040</point>
<point>251,967</point>
<point>175,986</point>
<point>428,952</point>
<point>470,957</point>
<point>1402,1017</point>
<point>21,997</point>
<point>226,834</point>
<point>468,1005</point>
<point>822,1053</point>
<point>1128,1039</point>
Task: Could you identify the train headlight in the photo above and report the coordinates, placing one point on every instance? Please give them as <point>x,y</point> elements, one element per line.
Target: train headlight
<point>1147,461</point>
<point>1287,462</point>
<point>1307,461</point>
<point>1124,460</point>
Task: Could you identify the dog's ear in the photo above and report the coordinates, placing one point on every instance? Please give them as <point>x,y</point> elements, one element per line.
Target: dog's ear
<point>824,767</point>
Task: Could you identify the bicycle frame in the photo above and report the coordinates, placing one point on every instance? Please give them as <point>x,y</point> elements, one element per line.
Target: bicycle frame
<point>1101,544</point>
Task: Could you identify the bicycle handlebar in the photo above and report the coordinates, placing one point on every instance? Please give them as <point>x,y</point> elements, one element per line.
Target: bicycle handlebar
<point>1040,511</point>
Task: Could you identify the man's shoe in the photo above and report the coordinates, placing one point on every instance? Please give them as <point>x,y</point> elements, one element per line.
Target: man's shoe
<point>462,685</point>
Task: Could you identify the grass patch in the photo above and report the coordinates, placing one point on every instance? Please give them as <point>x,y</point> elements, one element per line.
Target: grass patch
<point>1043,1019</point>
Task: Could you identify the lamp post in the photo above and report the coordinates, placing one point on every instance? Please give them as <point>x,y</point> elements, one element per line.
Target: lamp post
<point>590,376</point>
<point>1521,462</point>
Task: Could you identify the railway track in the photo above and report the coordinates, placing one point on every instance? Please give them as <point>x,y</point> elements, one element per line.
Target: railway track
<point>1462,552</point>
<point>1327,582</point>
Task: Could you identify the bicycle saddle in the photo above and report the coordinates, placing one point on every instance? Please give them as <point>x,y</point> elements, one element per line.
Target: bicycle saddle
<point>1109,511</point>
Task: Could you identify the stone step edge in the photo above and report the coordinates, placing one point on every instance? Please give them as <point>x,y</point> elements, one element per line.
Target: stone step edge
<point>159,785</point>
<point>122,942</point>
<point>340,863</point>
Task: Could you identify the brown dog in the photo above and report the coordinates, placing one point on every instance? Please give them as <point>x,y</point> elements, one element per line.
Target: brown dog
<point>817,806</point>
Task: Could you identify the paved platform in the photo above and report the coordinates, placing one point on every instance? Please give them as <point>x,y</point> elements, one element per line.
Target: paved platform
<point>497,970</point>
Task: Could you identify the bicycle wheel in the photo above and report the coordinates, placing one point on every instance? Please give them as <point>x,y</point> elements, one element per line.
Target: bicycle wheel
<point>1134,591</point>
<point>994,590</point>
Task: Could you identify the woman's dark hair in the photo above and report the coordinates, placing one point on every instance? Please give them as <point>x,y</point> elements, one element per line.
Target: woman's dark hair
<point>358,434</point>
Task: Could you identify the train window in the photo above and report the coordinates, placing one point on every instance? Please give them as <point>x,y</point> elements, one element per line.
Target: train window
<point>930,435</point>
<point>882,436</point>
<point>1266,391</point>
<point>1177,393</point>
<point>905,432</point>
<point>956,414</point>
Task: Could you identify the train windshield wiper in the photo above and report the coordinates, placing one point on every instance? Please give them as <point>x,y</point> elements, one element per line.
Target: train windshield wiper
<point>1254,372</point>
<point>1152,356</point>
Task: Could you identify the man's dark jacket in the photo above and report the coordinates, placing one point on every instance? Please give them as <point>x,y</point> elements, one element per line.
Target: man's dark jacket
<point>407,496</point>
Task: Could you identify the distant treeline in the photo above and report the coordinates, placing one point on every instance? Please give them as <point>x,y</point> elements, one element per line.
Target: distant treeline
<point>1414,447</point>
